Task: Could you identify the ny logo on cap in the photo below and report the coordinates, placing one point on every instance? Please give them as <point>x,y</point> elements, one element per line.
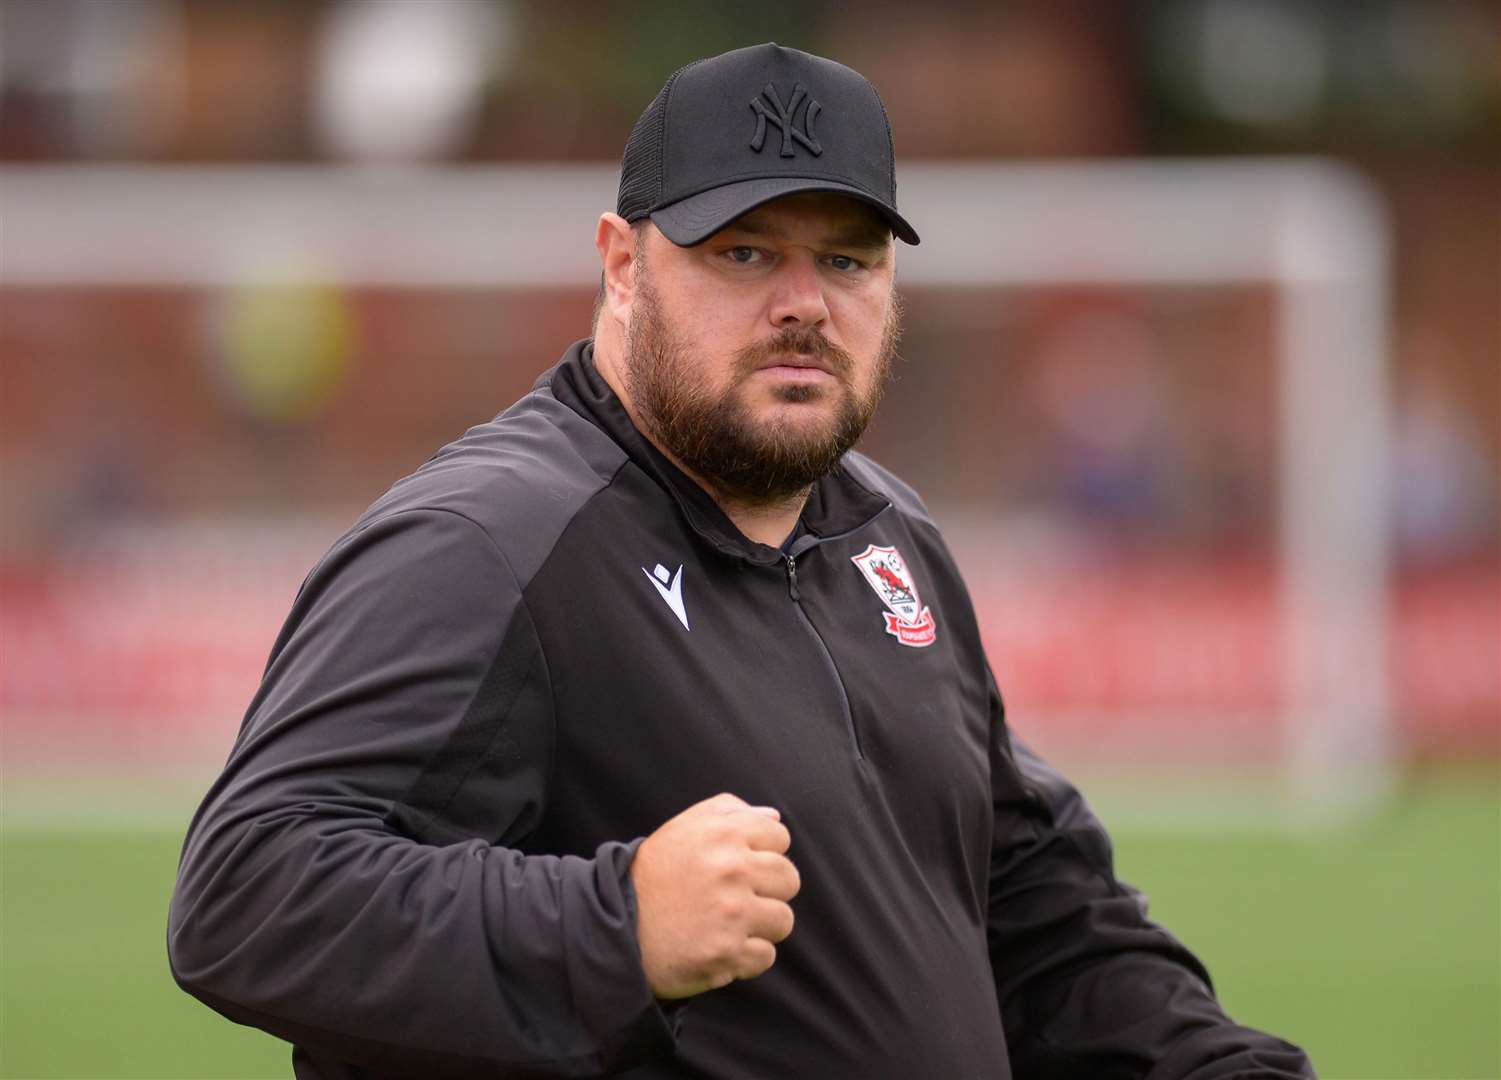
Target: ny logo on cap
<point>782,117</point>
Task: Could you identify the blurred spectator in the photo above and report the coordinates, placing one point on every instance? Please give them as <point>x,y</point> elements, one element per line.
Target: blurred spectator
<point>1444,485</point>
<point>1111,450</point>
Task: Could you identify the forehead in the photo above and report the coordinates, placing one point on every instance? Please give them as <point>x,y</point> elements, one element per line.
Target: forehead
<point>814,215</point>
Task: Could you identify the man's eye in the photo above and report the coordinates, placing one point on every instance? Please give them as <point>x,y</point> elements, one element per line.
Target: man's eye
<point>743,254</point>
<point>843,262</point>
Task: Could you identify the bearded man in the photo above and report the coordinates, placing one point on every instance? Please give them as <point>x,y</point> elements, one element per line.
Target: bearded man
<point>645,730</point>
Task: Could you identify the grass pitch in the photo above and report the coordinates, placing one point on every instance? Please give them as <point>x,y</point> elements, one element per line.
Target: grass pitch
<point>1377,947</point>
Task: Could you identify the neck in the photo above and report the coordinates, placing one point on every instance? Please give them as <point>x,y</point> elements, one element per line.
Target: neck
<point>766,523</point>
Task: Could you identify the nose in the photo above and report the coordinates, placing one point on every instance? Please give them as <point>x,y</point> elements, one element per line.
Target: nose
<point>798,298</point>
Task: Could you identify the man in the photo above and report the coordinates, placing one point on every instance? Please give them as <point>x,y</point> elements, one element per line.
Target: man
<point>646,730</point>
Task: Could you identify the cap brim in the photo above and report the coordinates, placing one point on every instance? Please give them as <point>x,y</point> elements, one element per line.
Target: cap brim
<point>694,219</point>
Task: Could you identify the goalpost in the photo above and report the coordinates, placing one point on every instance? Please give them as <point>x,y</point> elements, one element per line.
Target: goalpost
<point>1316,233</point>
<point>1311,230</point>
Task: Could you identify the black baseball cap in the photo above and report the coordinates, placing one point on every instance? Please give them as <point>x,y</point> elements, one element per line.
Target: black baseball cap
<point>729,133</point>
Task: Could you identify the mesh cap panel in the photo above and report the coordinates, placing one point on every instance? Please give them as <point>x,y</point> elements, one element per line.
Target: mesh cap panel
<point>641,164</point>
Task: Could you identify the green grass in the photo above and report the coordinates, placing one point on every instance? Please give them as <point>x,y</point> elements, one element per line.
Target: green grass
<point>1377,947</point>
<point>84,986</point>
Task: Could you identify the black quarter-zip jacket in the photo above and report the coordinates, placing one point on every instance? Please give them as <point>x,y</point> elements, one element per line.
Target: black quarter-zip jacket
<point>547,641</point>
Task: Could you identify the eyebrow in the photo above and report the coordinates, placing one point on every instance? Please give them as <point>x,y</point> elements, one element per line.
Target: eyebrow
<point>863,235</point>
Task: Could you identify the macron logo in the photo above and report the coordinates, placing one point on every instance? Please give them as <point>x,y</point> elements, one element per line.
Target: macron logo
<point>671,588</point>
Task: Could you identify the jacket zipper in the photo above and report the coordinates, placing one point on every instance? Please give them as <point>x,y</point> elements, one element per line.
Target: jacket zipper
<point>844,698</point>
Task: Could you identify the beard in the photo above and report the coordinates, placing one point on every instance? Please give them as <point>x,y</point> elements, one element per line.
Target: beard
<point>717,436</point>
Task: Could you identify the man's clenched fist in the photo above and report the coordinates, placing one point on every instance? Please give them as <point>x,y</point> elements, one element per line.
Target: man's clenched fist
<point>712,886</point>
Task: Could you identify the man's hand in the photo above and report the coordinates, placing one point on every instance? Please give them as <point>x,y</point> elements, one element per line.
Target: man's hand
<point>712,886</point>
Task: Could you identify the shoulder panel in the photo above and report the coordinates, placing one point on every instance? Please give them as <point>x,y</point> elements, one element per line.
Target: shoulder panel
<point>520,477</point>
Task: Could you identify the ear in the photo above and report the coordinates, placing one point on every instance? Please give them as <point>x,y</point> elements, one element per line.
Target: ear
<point>616,242</point>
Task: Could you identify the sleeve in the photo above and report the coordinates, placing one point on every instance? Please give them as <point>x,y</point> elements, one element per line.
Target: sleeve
<point>355,881</point>
<point>1088,985</point>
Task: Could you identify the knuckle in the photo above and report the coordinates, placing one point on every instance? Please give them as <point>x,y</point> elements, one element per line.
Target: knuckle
<point>786,921</point>
<point>730,908</point>
<point>725,864</point>
<point>776,922</point>
<point>722,829</point>
<point>725,947</point>
<point>781,880</point>
<point>758,956</point>
<point>794,881</point>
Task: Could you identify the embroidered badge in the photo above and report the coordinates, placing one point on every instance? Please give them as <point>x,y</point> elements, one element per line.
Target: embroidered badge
<point>782,117</point>
<point>907,620</point>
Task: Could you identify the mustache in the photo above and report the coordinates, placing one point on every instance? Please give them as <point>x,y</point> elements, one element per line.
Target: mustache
<point>797,341</point>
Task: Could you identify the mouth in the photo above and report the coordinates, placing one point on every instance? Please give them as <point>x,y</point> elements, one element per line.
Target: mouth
<point>796,365</point>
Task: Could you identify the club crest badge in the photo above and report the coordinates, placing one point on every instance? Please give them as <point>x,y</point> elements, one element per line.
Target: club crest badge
<point>907,619</point>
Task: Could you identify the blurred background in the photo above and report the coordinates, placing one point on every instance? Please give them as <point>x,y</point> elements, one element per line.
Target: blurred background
<point>1202,376</point>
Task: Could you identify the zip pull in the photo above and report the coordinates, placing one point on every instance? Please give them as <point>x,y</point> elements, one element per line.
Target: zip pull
<point>791,576</point>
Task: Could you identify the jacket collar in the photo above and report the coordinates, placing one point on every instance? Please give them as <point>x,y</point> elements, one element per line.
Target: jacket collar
<point>837,504</point>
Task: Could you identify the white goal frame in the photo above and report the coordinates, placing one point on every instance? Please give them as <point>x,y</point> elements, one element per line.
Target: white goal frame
<point>1311,229</point>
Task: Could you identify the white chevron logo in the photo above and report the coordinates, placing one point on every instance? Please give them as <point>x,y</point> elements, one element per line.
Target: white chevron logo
<point>671,588</point>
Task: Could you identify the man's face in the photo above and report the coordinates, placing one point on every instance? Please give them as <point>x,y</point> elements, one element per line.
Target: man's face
<point>757,357</point>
